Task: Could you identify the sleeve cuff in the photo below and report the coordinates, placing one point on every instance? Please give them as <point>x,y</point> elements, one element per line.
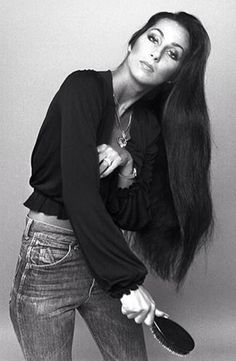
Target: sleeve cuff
<point>126,291</point>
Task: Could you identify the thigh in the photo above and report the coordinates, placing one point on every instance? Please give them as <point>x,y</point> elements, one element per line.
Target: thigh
<point>41,306</point>
<point>117,337</point>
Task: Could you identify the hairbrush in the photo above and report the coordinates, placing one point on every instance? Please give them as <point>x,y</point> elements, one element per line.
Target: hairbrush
<point>172,336</point>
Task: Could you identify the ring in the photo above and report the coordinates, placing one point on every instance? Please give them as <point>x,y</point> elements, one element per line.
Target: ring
<point>108,161</point>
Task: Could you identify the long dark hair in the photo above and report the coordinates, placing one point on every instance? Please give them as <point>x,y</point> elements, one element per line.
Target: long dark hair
<point>182,209</point>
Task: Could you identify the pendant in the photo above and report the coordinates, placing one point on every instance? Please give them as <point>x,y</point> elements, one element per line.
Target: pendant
<point>122,140</point>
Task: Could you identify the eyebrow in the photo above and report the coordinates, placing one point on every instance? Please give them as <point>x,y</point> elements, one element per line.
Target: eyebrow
<point>175,44</point>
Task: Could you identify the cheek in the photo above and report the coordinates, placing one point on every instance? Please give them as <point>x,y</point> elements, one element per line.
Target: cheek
<point>139,52</point>
<point>166,68</point>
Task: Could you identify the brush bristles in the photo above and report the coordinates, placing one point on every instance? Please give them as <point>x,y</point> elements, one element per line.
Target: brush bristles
<point>162,341</point>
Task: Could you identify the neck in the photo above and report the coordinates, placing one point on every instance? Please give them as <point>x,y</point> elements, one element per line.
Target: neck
<point>126,90</point>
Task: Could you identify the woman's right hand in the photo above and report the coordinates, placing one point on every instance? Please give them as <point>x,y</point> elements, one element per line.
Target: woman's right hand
<point>112,157</point>
<point>140,305</point>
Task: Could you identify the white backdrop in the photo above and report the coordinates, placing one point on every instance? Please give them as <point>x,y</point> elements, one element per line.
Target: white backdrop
<point>42,42</point>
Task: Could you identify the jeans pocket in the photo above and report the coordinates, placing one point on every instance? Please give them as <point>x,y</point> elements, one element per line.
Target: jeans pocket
<point>45,251</point>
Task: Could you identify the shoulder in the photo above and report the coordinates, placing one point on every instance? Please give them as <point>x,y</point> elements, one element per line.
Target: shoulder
<point>83,81</point>
<point>83,88</point>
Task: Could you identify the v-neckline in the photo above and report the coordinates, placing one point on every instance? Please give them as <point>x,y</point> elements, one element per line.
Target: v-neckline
<point>107,76</point>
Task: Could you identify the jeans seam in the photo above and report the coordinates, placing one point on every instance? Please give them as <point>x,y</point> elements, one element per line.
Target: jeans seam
<point>29,250</point>
<point>18,298</point>
<point>19,295</point>
<point>19,259</point>
<point>90,291</point>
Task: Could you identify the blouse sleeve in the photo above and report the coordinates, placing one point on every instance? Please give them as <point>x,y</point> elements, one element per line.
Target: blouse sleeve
<point>130,207</point>
<point>111,261</point>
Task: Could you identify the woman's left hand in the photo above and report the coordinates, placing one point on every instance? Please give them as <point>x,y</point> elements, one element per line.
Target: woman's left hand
<point>110,159</point>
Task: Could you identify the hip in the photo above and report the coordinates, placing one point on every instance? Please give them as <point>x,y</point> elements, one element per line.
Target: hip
<point>50,220</point>
<point>50,264</point>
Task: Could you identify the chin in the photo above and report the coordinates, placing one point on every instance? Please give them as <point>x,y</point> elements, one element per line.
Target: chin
<point>143,78</point>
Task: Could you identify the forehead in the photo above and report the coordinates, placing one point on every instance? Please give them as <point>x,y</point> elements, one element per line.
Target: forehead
<point>173,32</point>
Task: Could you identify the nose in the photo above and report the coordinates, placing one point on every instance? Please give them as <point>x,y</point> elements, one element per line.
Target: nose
<point>156,55</point>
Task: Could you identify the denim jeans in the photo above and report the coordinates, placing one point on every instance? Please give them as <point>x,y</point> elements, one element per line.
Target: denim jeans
<point>52,281</point>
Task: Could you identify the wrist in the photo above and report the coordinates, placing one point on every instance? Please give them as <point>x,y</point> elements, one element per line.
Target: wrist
<point>130,175</point>
<point>127,168</point>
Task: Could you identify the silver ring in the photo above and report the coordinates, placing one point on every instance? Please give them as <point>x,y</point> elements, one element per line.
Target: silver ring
<point>108,161</point>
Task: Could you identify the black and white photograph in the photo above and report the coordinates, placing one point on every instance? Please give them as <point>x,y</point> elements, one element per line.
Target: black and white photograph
<point>118,196</point>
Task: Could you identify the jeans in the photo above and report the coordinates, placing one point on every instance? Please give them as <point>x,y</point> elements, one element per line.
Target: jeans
<point>52,281</point>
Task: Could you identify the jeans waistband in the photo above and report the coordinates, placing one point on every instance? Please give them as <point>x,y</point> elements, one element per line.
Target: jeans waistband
<point>38,226</point>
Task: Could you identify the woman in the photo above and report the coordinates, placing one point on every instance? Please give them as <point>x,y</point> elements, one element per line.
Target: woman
<point>120,154</point>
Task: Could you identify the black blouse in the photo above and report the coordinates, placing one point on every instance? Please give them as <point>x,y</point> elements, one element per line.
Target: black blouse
<point>66,181</point>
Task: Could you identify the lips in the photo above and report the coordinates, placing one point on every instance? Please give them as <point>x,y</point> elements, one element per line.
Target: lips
<point>147,66</point>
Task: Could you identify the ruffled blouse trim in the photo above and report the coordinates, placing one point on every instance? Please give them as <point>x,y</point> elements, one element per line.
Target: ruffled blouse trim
<point>38,202</point>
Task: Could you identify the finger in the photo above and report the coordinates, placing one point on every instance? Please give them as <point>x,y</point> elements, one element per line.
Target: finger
<point>135,315</point>
<point>159,313</point>
<point>124,310</point>
<point>131,315</point>
<point>143,313</point>
<point>110,169</point>
<point>150,316</point>
<point>101,156</point>
<point>104,155</point>
<point>141,316</point>
<point>101,148</point>
<point>105,165</point>
<point>102,169</point>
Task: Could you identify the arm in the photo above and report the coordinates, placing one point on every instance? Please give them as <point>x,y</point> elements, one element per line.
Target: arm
<point>112,263</point>
<point>126,175</point>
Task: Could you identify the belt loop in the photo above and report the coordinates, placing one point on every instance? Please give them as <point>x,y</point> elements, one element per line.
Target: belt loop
<point>29,223</point>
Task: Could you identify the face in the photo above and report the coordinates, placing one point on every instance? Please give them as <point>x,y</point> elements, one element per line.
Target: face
<point>158,53</point>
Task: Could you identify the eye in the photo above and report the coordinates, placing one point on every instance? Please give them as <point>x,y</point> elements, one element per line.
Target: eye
<point>153,39</point>
<point>173,54</point>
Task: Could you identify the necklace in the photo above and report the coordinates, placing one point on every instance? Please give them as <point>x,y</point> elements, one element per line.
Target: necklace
<point>122,139</point>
